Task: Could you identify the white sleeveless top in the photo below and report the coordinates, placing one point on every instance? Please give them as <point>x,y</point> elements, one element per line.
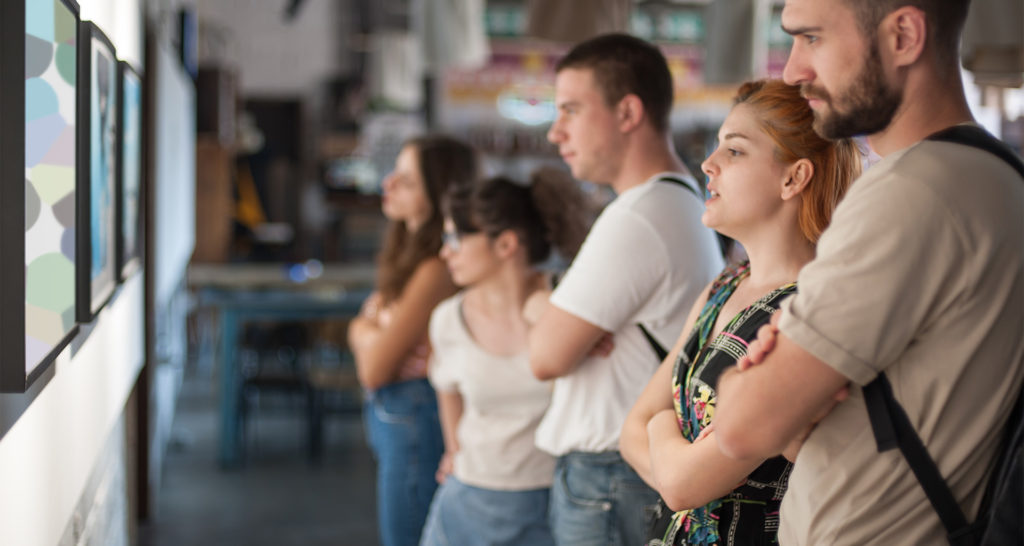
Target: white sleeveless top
<point>502,405</point>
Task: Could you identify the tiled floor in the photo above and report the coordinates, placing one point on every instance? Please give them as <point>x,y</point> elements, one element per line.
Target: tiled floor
<point>278,497</point>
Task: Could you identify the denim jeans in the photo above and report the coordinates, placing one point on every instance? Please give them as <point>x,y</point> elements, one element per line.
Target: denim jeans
<point>405,436</point>
<point>465,515</point>
<point>597,499</point>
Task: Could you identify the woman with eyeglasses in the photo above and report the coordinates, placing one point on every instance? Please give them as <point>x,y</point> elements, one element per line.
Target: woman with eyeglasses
<point>494,480</point>
<point>389,337</point>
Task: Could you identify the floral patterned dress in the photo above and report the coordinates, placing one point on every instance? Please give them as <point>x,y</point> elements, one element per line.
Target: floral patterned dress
<point>750,513</point>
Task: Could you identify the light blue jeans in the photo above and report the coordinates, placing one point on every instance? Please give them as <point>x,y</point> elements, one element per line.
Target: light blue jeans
<point>405,436</point>
<point>597,499</point>
<point>472,516</point>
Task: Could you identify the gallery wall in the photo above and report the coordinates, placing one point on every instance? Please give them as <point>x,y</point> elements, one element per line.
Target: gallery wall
<point>66,444</point>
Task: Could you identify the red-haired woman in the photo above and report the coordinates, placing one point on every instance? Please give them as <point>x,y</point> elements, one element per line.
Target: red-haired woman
<point>389,337</point>
<point>774,184</point>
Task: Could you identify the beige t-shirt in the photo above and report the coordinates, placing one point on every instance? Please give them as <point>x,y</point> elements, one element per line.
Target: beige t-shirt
<point>502,405</point>
<point>921,274</point>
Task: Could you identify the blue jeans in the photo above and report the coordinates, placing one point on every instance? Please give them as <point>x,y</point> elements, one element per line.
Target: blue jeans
<point>465,515</point>
<point>405,436</point>
<point>598,499</point>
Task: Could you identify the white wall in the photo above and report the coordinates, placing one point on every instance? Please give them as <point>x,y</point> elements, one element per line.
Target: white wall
<point>49,453</point>
<point>173,174</point>
<point>47,457</point>
<point>274,56</point>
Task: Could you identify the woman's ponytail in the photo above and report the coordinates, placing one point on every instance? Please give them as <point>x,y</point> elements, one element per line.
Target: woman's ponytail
<point>562,210</point>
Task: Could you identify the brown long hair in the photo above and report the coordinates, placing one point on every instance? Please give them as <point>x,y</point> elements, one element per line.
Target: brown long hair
<point>785,117</point>
<point>548,213</point>
<point>443,161</point>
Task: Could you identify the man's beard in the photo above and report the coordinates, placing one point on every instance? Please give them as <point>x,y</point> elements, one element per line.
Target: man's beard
<point>868,104</point>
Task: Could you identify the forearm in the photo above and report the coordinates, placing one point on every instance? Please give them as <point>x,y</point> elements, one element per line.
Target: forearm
<point>373,371</point>
<point>450,408</point>
<point>689,475</point>
<point>762,409</point>
<point>633,445</point>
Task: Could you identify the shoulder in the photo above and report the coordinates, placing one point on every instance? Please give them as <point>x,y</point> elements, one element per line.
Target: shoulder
<point>947,167</point>
<point>431,274</point>
<point>448,309</point>
<point>445,320</point>
<point>431,268</point>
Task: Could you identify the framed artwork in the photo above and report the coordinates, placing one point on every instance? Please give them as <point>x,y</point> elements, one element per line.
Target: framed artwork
<point>97,164</point>
<point>129,172</point>
<point>38,162</point>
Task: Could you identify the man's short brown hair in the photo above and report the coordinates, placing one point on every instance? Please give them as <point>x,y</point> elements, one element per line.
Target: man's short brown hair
<point>945,20</point>
<point>623,65</point>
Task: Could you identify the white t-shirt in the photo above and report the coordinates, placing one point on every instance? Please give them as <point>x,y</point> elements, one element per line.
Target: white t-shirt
<point>502,404</point>
<point>646,260</point>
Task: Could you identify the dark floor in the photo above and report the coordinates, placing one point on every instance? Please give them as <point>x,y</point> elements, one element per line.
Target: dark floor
<point>278,497</point>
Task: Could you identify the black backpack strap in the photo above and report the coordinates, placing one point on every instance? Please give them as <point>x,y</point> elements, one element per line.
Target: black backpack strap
<point>680,182</point>
<point>892,428</point>
<point>976,137</point>
<point>657,347</point>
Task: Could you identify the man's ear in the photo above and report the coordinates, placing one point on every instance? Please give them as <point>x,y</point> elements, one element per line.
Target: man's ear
<point>630,112</point>
<point>904,34</point>
<point>799,175</point>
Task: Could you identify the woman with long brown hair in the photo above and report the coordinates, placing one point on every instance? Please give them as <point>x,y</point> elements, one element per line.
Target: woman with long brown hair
<point>774,184</point>
<point>389,337</point>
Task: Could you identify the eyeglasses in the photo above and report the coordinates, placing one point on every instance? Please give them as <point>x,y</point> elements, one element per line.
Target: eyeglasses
<point>452,240</point>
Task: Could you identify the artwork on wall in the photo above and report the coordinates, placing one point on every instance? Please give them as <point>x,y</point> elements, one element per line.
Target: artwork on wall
<point>38,155</point>
<point>129,172</point>
<point>97,161</point>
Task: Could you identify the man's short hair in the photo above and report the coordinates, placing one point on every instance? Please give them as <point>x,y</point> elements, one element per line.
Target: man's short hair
<point>622,65</point>
<point>945,19</point>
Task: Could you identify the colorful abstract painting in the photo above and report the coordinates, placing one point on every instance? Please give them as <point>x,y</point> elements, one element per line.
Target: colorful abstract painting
<point>130,175</point>
<point>97,163</point>
<point>102,154</point>
<point>50,169</point>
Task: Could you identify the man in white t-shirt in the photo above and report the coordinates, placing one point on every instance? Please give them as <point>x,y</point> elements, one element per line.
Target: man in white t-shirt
<point>919,277</point>
<point>644,262</point>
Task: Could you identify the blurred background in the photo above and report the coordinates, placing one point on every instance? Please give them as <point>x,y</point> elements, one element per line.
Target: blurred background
<point>213,399</point>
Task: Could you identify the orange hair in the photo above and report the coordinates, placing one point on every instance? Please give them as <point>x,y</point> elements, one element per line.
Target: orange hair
<point>787,119</point>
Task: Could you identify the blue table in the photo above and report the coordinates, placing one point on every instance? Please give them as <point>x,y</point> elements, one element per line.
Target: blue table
<point>234,304</point>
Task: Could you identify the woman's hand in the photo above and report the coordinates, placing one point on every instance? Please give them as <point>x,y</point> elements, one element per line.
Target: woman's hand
<point>415,365</point>
<point>604,346</point>
<point>445,467</point>
<point>371,307</point>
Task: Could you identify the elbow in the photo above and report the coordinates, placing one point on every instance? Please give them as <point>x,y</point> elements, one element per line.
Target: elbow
<point>371,377</point>
<point>370,381</point>
<point>626,450</point>
<point>676,503</point>
<point>676,493</point>
<point>542,370</point>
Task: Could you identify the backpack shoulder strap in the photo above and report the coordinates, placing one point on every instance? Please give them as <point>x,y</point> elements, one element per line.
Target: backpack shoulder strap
<point>655,346</point>
<point>892,429</point>
<point>679,182</point>
<point>976,137</point>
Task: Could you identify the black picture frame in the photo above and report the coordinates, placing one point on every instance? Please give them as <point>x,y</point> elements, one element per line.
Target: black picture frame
<point>38,161</point>
<point>128,192</point>
<point>97,160</point>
